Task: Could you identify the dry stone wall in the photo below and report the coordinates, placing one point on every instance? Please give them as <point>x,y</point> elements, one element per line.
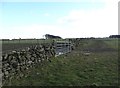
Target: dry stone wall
<point>16,62</point>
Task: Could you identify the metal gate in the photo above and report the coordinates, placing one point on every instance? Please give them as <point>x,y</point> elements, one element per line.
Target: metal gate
<point>62,47</point>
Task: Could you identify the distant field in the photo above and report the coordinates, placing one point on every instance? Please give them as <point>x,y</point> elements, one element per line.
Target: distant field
<point>9,45</point>
<point>99,68</point>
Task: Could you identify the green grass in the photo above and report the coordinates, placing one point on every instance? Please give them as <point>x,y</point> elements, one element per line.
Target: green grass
<point>9,45</point>
<point>28,41</point>
<point>113,43</point>
<point>34,41</point>
<point>99,68</point>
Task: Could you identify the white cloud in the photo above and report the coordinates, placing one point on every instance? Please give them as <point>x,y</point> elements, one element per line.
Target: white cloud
<point>78,23</point>
<point>97,22</point>
<point>30,31</point>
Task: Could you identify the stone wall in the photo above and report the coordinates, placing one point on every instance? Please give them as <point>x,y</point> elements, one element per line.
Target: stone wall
<point>16,62</point>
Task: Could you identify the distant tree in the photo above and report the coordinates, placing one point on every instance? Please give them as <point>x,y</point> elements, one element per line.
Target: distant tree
<point>5,39</point>
<point>92,37</point>
<point>114,36</point>
<point>48,36</point>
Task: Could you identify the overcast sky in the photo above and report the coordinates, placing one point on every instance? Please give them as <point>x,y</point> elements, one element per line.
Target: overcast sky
<point>66,18</point>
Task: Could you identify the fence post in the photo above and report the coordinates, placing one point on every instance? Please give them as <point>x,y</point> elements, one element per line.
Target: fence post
<point>37,42</point>
<point>13,45</point>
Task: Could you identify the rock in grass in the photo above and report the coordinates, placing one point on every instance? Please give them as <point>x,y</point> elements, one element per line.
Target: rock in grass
<point>86,54</point>
<point>37,73</point>
<point>91,69</point>
<point>95,84</point>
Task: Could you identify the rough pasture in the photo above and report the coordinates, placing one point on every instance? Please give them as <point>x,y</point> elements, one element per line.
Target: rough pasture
<point>15,63</point>
<point>99,68</point>
<point>19,44</point>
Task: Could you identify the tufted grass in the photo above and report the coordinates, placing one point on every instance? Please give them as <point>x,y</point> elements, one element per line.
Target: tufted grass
<point>100,68</point>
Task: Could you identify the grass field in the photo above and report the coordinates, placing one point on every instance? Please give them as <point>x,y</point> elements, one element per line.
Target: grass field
<point>18,44</point>
<point>99,68</point>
